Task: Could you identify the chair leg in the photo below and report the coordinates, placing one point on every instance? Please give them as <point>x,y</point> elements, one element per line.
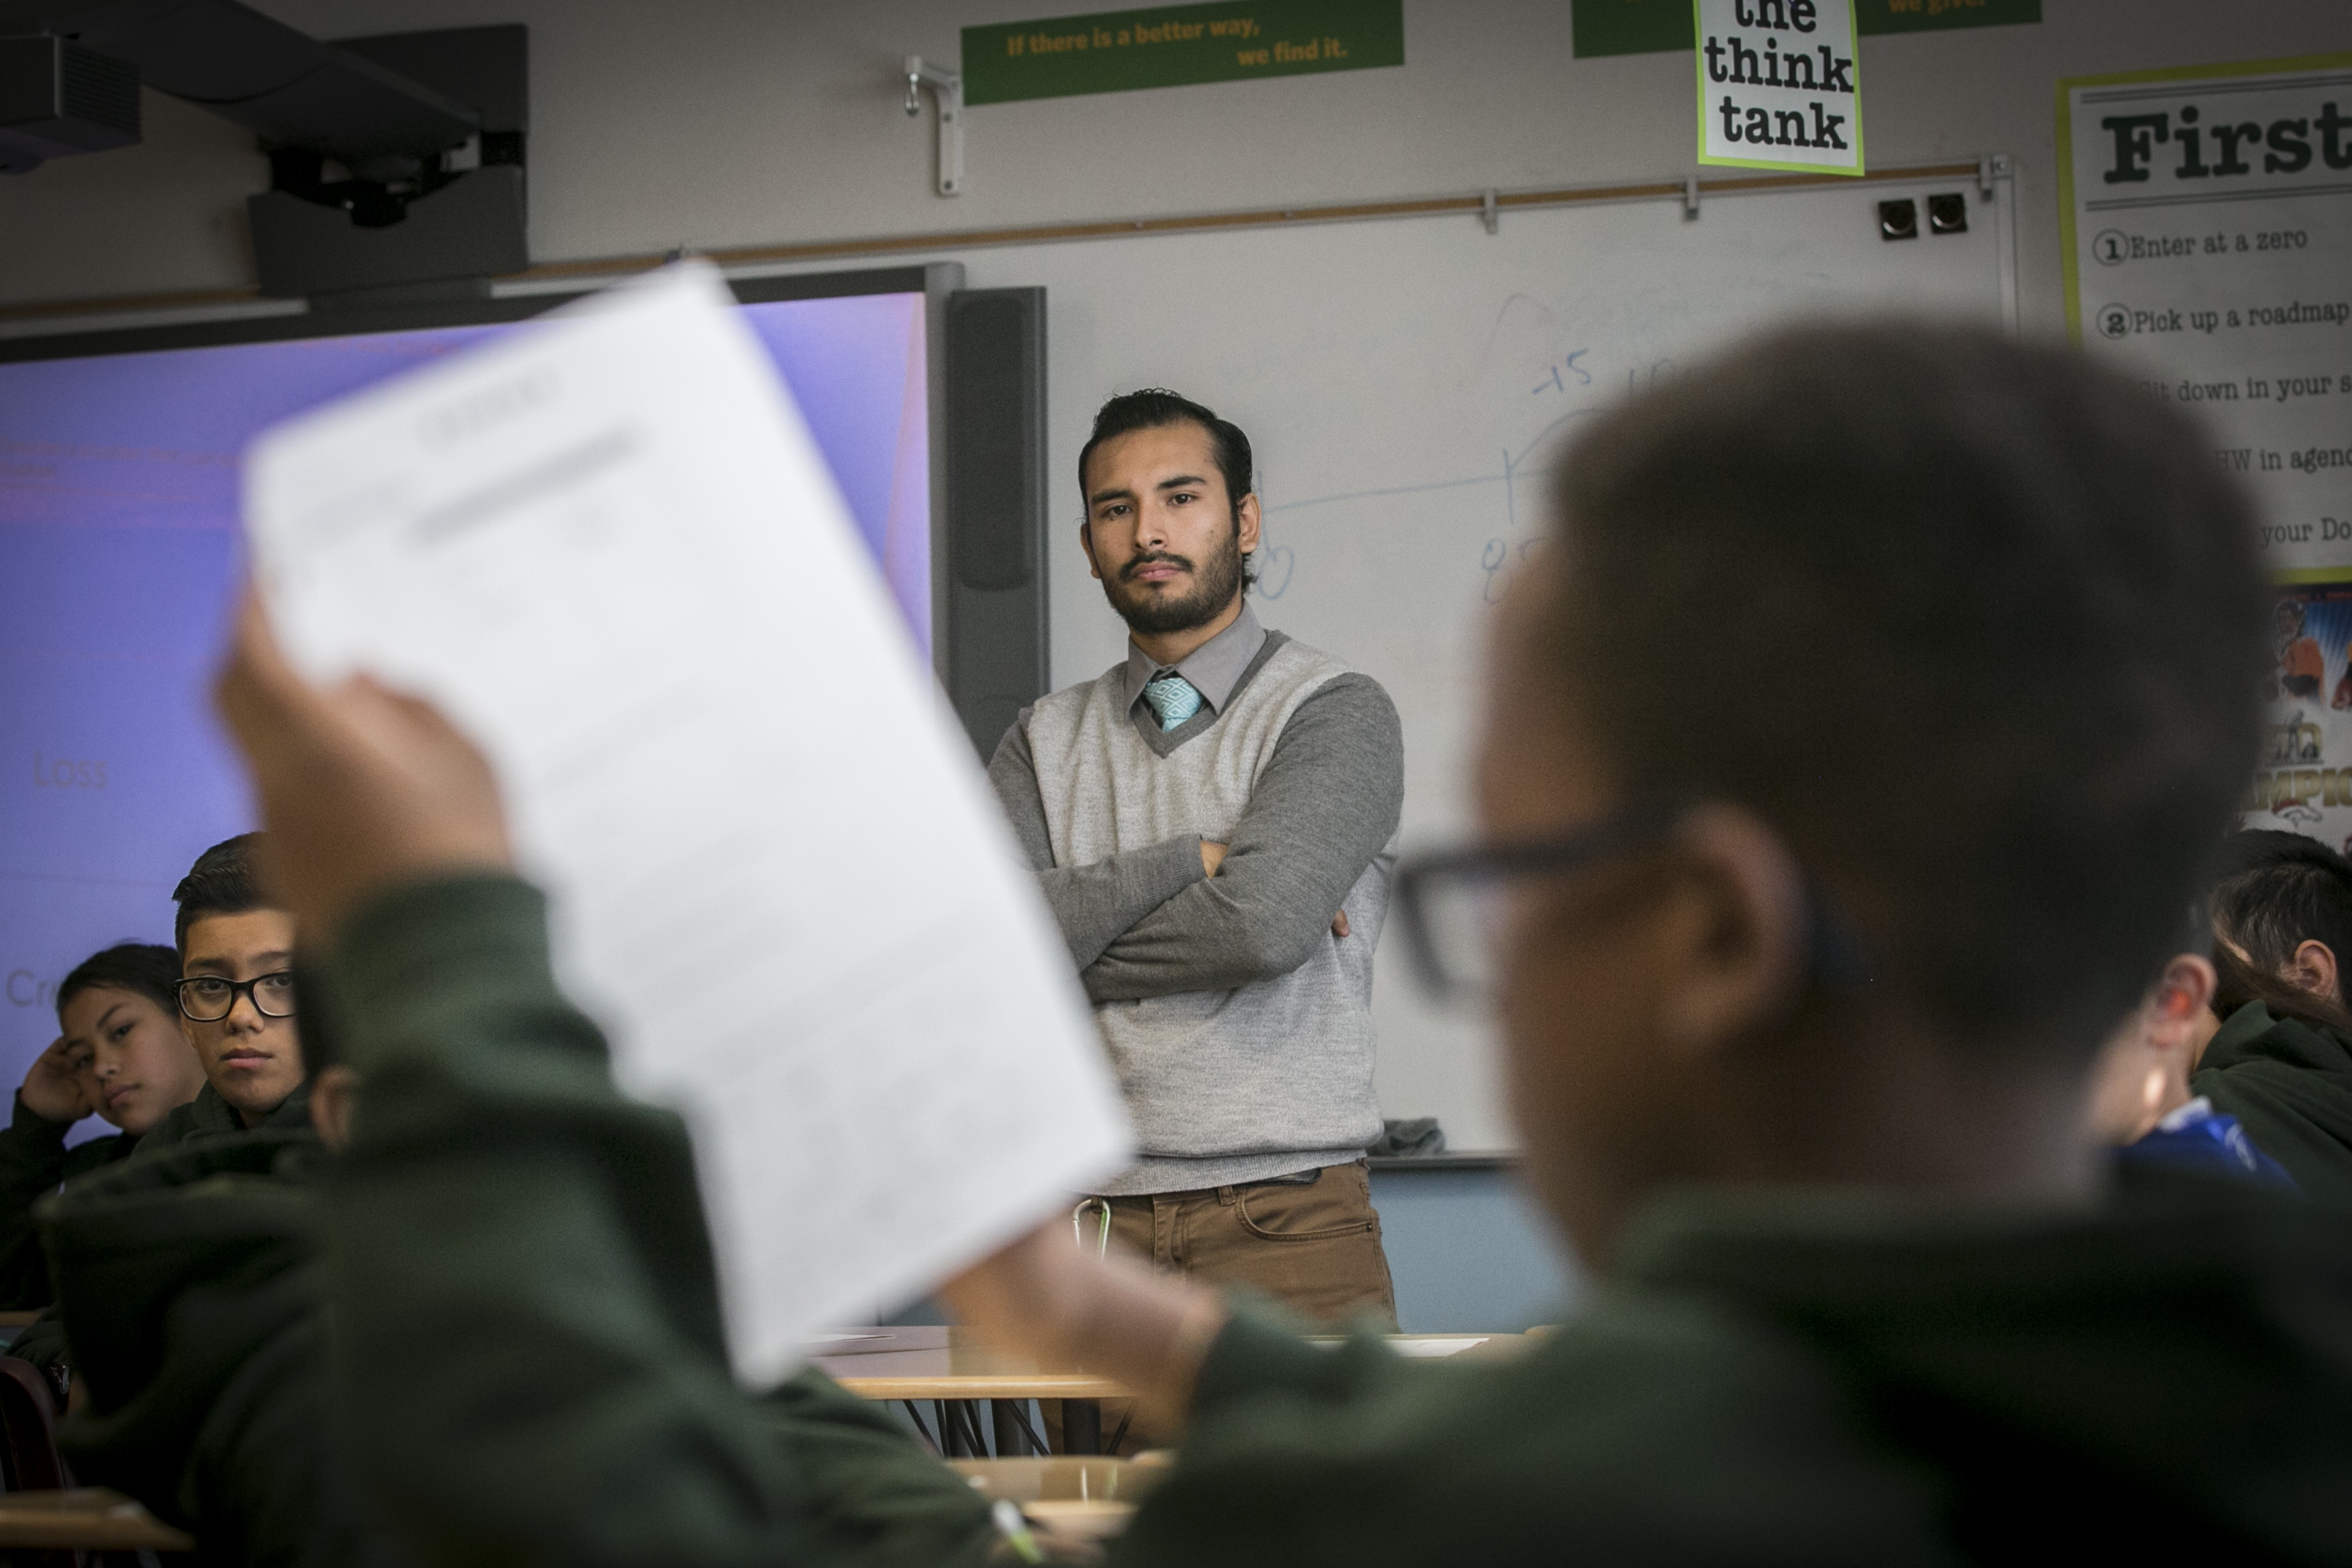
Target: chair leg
<point>922,1431</point>
<point>1082,1426</point>
<point>1011,1438</point>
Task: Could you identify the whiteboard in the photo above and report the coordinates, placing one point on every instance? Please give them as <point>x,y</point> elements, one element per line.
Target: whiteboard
<point>1407,385</point>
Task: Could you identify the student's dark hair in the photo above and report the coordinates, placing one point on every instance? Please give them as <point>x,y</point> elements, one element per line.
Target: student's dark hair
<point>1977,627</point>
<point>2237,982</point>
<point>2282,890</point>
<point>1154,408</point>
<point>144,968</point>
<point>2259,848</point>
<point>224,881</point>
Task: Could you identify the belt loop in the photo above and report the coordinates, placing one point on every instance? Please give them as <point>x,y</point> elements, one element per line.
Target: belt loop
<point>1226,1195</point>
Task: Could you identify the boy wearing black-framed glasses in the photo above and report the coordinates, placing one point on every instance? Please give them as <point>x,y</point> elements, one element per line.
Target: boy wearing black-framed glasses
<point>235,1001</point>
<point>235,1007</point>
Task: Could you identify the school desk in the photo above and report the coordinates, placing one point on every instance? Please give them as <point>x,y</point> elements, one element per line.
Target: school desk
<point>90,1518</point>
<point>953,1368</point>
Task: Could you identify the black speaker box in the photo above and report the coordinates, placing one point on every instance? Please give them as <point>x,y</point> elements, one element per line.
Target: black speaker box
<point>996,662</point>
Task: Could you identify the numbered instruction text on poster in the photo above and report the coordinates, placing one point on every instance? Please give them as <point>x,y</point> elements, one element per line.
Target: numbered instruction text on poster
<point>2210,250</point>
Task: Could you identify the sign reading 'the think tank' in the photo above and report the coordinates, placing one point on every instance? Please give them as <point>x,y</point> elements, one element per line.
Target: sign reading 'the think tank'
<point>1777,86</point>
<point>2209,249</point>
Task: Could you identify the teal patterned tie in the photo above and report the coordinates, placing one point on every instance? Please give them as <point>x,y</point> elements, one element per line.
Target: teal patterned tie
<point>1172,697</point>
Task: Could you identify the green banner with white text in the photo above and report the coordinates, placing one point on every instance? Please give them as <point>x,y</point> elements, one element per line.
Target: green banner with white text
<point>1652,27</point>
<point>1177,46</point>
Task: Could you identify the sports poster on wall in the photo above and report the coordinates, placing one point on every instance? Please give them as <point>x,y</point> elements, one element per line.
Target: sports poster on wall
<point>2305,777</point>
<point>2208,233</point>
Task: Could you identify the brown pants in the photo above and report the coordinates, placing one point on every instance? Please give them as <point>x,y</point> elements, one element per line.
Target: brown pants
<point>1313,1246</point>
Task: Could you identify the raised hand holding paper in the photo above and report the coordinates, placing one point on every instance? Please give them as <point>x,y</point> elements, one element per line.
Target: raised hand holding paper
<point>607,547</point>
<point>1779,85</point>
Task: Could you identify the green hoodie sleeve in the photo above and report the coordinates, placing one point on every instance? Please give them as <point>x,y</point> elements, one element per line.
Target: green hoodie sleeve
<point>1653,1427</point>
<point>2289,1084</point>
<point>528,1338</point>
<point>1293,1454</point>
<point>32,1164</point>
<point>34,1161</point>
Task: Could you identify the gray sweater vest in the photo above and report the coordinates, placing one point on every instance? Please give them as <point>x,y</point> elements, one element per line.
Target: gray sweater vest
<point>1224,1086</point>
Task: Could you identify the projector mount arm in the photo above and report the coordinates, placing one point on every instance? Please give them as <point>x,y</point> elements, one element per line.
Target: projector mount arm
<point>255,70</point>
<point>396,159</point>
<point>947,90</point>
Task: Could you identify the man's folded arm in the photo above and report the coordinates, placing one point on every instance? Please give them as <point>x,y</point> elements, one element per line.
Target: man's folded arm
<point>1094,905</point>
<point>1324,808</point>
<point>528,1324</point>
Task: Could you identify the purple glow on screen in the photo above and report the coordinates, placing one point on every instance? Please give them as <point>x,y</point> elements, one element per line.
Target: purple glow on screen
<point>119,560</point>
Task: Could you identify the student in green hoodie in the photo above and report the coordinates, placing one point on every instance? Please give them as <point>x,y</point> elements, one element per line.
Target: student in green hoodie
<point>190,1288</point>
<point>233,1006</point>
<point>2282,1060</point>
<point>1800,971</point>
<point>120,1056</point>
<point>188,1295</point>
<point>234,1002</point>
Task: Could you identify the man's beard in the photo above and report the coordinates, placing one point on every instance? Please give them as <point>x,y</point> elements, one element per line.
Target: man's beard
<point>1213,586</point>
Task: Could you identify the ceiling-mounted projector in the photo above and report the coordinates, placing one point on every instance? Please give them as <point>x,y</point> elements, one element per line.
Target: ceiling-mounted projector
<point>395,161</point>
<point>57,98</point>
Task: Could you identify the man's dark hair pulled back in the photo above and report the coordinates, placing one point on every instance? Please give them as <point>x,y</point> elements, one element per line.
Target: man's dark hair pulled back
<point>1977,627</point>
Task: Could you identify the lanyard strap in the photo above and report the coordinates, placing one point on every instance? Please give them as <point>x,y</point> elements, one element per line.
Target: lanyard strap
<point>1077,1225</point>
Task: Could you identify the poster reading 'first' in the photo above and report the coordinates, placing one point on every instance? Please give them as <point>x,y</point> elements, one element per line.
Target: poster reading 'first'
<point>2209,253</point>
<point>2208,250</point>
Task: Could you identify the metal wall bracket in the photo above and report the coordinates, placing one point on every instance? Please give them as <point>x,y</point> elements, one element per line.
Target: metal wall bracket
<point>1490,213</point>
<point>1690,195</point>
<point>946,92</point>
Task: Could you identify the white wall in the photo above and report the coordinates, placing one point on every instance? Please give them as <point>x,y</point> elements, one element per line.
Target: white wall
<point>727,122</point>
